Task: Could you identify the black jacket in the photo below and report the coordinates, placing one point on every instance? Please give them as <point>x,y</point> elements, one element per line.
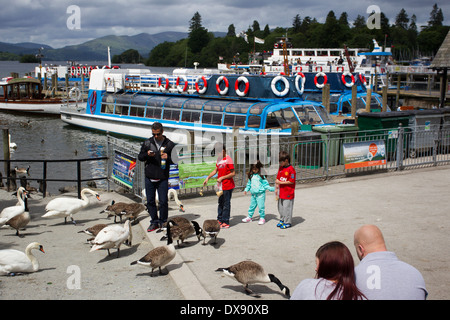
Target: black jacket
<point>153,168</point>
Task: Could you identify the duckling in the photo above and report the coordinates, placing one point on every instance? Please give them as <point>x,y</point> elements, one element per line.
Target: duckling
<point>210,228</point>
<point>249,272</point>
<point>159,256</point>
<point>182,232</point>
<point>93,231</point>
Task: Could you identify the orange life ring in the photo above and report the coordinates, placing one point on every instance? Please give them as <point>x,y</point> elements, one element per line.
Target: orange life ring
<point>182,88</point>
<point>348,84</point>
<point>225,81</point>
<point>205,84</point>
<point>160,83</point>
<point>236,86</point>
<point>325,79</point>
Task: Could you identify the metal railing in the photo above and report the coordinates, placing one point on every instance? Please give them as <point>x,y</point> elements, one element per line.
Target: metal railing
<point>12,177</point>
<point>314,156</point>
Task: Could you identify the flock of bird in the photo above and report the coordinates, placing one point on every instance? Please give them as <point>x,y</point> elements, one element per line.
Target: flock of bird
<point>106,237</point>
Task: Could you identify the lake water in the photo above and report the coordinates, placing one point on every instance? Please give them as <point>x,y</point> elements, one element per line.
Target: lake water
<point>41,137</point>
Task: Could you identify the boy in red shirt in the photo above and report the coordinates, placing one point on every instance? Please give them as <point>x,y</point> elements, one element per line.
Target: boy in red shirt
<point>285,190</point>
<point>225,170</point>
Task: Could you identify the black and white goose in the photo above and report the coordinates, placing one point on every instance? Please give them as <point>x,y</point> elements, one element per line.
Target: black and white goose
<point>249,272</point>
<point>93,231</point>
<point>183,231</point>
<point>211,228</point>
<point>160,256</point>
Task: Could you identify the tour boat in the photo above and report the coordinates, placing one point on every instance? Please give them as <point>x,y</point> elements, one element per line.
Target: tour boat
<point>26,95</point>
<point>128,102</point>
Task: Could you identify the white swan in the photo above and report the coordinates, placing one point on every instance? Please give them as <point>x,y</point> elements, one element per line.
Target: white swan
<point>10,212</point>
<point>13,261</point>
<point>12,145</point>
<point>66,207</point>
<point>112,237</point>
<point>171,193</point>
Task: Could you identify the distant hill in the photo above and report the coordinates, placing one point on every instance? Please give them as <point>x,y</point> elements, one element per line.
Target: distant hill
<point>97,49</point>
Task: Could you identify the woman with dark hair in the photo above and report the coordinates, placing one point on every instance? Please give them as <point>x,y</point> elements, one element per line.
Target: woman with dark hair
<point>335,276</point>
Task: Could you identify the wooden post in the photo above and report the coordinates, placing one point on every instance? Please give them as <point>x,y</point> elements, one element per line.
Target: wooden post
<point>368,98</point>
<point>385,98</point>
<point>326,97</point>
<point>354,100</point>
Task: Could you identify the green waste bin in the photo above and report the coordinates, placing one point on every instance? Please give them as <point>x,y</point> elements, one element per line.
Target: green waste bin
<point>384,126</point>
<point>331,136</point>
<point>444,135</point>
<point>308,150</point>
<point>425,129</point>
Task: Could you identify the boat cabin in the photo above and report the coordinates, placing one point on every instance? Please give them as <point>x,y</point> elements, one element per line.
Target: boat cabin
<point>19,89</point>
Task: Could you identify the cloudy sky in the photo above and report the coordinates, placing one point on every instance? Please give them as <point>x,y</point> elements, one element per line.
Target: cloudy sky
<point>69,22</point>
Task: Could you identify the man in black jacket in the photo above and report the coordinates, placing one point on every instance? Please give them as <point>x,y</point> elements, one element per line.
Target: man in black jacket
<point>157,154</point>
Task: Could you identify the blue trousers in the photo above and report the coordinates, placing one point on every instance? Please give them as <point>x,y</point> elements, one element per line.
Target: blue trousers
<point>258,200</point>
<point>224,206</point>
<point>162,187</point>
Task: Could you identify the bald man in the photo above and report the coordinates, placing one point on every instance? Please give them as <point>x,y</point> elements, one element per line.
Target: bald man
<point>381,275</point>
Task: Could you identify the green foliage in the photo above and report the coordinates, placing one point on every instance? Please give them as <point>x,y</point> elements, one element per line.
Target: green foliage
<point>402,36</point>
<point>28,58</point>
<point>7,56</point>
<point>128,56</point>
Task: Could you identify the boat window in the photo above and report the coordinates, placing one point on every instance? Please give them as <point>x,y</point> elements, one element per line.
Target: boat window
<point>234,120</point>
<point>2,92</point>
<point>171,114</point>
<point>190,116</point>
<point>254,121</point>
<point>137,111</point>
<point>322,53</point>
<point>153,112</point>
<point>215,105</point>
<point>121,109</point>
<point>195,104</point>
<point>238,107</point>
<point>310,53</point>
<point>23,90</point>
<point>360,103</point>
<point>309,115</point>
<point>335,53</point>
<point>174,103</point>
<point>107,104</point>
<point>281,118</point>
<point>35,91</point>
<point>333,107</point>
<point>296,53</point>
<point>212,118</point>
<point>258,108</point>
<point>12,91</point>
<point>346,107</point>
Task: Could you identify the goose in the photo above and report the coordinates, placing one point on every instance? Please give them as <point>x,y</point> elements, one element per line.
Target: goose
<point>67,207</point>
<point>93,231</point>
<point>159,256</point>
<point>210,228</point>
<point>16,216</point>
<point>22,170</point>
<point>132,211</point>
<point>112,237</point>
<point>249,272</point>
<point>178,221</point>
<point>14,261</point>
<point>183,231</point>
<point>115,209</point>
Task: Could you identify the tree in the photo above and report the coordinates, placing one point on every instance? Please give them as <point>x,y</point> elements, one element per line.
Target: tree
<point>436,17</point>
<point>231,31</point>
<point>128,56</point>
<point>401,20</point>
<point>198,36</point>
<point>297,24</point>
<point>255,26</point>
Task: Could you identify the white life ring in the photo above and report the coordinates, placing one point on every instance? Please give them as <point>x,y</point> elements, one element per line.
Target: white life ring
<point>75,94</point>
<point>205,84</point>
<point>161,85</point>
<point>274,88</point>
<point>325,79</point>
<point>225,90</point>
<point>181,88</point>
<point>301,76</point>
<point>363,80</point>
<point>236,86</point>
<point>348,84</point>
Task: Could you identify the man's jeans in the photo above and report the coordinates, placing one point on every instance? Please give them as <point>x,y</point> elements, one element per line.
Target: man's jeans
<point>162,187</point>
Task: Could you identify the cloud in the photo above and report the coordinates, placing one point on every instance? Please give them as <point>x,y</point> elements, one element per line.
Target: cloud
<point>46,21</point>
